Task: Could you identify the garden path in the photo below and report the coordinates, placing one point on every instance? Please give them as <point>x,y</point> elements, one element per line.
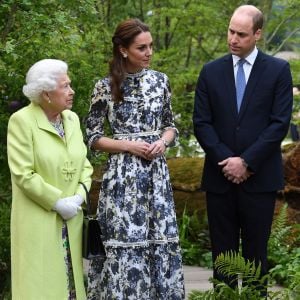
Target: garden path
<point>196,278</point>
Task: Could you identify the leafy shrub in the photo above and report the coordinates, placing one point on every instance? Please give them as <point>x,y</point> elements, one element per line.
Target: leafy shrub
<point>5,200</point>
<point>194,240</point>
<point>284,254</point>
<point>233,264</point>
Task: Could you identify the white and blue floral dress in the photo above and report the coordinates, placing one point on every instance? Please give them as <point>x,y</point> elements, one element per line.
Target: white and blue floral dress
<point>136,206</point>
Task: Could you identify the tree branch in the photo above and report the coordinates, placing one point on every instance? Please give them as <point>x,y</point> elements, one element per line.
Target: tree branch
<point>278,27</point>
<point>284,41</point>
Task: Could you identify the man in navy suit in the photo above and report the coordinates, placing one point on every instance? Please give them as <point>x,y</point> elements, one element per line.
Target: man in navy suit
<point>243,165</point>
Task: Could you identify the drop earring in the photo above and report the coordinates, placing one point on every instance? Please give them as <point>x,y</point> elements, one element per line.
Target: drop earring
<point>124,55</point>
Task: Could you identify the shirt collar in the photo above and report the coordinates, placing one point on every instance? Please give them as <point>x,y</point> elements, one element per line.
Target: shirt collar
<point>250,59</point>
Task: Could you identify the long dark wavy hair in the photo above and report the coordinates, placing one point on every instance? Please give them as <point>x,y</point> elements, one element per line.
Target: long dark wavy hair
<point>124,36</point>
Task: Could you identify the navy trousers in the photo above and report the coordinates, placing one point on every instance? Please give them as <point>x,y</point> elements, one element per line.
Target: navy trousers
<point>240,216</point>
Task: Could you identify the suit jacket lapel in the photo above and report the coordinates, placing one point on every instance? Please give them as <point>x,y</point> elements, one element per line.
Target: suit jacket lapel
<point>228,76</point>
<point>254,78</point>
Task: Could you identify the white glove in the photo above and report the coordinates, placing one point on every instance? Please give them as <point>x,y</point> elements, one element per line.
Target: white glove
<point>68,207</point>
<point>76,199</point>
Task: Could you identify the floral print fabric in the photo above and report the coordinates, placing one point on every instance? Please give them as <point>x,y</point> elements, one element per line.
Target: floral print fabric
<point>136,207</point>
<point>68,262</point>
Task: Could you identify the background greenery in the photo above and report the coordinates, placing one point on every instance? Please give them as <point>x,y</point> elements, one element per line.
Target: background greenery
<point>186,33</point>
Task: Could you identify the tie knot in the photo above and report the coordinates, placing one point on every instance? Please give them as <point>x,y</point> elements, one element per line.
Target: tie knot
<point>241,61</point>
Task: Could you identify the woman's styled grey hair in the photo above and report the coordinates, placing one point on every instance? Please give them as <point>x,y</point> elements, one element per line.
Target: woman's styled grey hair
<point>42,76</point>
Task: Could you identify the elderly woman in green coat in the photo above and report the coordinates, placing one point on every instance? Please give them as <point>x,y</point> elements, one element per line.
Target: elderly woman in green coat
<point>47,160</point>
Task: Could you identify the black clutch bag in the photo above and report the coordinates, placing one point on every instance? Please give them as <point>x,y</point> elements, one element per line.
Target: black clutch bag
<point>92,246</point>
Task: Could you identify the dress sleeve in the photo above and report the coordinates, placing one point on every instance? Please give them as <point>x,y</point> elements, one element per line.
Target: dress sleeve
<point>98,112</point>
<point>167,114</point>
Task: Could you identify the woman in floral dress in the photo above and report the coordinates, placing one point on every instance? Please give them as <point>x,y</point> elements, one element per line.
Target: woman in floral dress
<point>136,206</point>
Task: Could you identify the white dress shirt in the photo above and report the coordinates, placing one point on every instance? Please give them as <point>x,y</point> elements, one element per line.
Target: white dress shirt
<point>250,59</point>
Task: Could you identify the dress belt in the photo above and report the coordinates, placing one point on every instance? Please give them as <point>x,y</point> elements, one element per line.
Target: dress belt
<point>137,134</point>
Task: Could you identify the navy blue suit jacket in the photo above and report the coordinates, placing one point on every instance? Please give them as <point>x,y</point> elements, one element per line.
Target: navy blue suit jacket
<point>255,133</point>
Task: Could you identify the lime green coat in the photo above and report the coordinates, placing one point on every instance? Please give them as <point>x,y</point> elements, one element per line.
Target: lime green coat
<point>43,169</point>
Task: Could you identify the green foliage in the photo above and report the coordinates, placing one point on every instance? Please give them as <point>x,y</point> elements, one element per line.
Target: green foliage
<point>233,264</point>
<point>295,69</point>
<point>282,26</point>
<point>284,251</point>
<point>293,272</point>
<point>194,240</point>
<point>4,115</point>
<point>5,200</point>
<point>279,228</point>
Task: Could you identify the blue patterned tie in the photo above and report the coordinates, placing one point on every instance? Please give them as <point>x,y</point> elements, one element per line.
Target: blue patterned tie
<point>240,83</point>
